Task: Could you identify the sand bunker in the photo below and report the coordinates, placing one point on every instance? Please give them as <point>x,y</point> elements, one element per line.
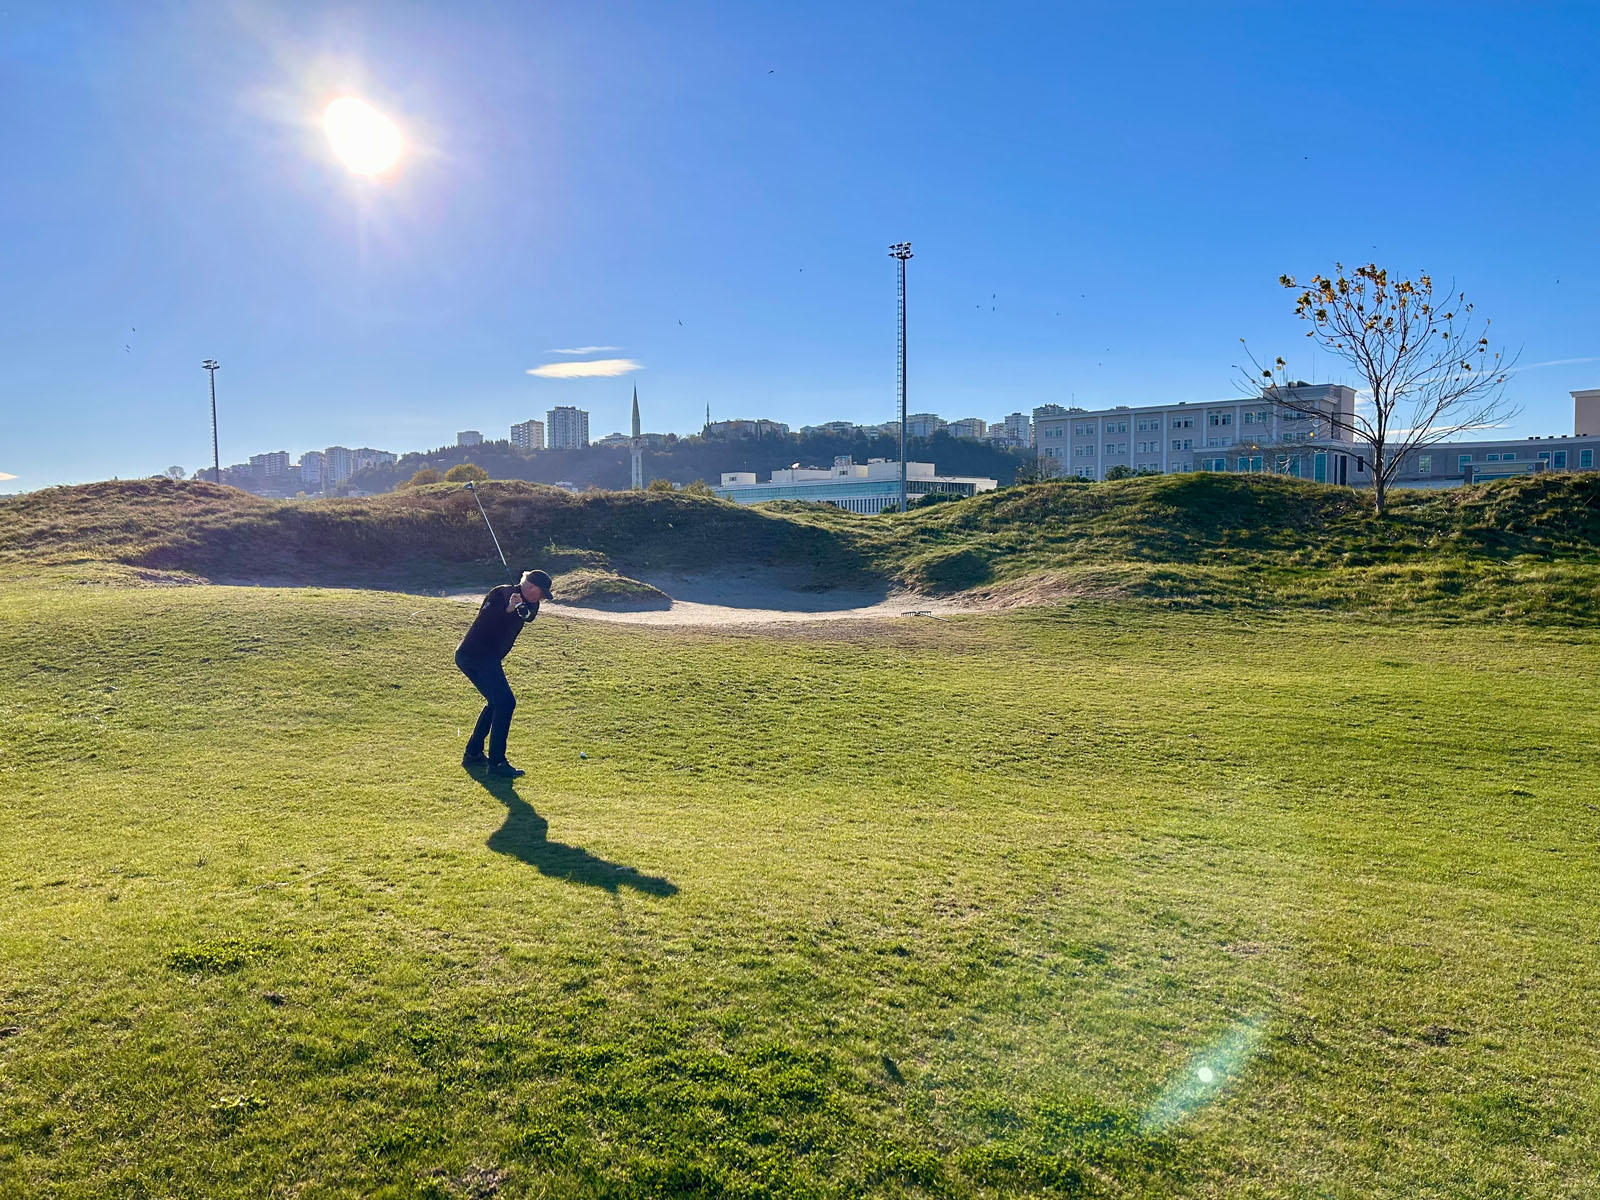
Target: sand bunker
<point>761,598</point>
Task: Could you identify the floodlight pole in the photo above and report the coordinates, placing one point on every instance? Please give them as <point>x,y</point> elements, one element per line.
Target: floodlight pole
<point>902,251</point>
<point>210,365</point>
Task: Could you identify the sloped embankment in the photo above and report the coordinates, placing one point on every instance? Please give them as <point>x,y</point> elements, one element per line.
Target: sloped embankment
<point>1526,549</point>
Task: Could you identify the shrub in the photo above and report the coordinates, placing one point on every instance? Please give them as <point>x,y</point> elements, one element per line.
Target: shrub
<point>466,473</point>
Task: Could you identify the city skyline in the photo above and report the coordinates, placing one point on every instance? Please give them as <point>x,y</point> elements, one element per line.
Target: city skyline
<point>182,202</point>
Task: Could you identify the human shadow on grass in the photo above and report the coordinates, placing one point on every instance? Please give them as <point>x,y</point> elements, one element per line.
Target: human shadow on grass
<point>523,836</point>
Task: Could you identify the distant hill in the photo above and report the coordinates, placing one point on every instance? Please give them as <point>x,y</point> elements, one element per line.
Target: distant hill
<point>1526,548</point>
<point>685,460</point>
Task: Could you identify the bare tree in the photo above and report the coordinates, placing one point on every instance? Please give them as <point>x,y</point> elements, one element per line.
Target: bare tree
<point>1427,368</point>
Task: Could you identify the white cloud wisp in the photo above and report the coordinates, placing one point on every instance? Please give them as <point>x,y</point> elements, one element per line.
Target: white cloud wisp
<point>589,369</point>
<point>583,349</point>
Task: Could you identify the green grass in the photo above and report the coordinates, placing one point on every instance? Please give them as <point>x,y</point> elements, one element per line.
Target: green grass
<point>1523,549</point>
<point>942,908</point>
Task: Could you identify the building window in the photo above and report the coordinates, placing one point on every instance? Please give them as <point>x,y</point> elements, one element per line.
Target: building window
<point>1586,458</point>
<point>1082,430</point>
<point>1319,467</point>
<point>1463,459</point>
<point>1559,462</point>
<point>1491,458</point>
<point>1221,418</point>
<point>1250,463</point>
<point>1183,443</point>
<point>1544,456</point>
<point>1425,464</point>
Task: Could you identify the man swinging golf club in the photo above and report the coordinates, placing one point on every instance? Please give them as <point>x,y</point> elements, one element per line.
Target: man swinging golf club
<point>501,616</point>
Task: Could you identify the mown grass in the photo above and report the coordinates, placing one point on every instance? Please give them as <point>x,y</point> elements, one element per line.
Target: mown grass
<point>946,908</point>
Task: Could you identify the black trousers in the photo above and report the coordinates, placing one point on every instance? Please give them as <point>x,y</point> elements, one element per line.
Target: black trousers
<point>489,677</point>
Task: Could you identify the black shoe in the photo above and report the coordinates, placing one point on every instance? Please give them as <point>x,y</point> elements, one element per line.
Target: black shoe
<point>472,760</point>
<point>505,770</point>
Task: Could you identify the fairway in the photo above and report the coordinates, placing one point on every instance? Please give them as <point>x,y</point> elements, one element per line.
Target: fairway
<point>1095,901</point>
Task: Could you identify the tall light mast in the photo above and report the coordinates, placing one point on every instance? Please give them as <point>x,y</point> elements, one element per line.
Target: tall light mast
<point>901,251</point>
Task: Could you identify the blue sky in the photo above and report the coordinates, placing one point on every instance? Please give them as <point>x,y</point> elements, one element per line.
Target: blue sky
<point>1100,197</point>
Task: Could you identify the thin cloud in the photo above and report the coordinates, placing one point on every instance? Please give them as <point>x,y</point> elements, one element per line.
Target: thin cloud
<point>584,350</point>
<point>584,370</point>
<point>4,475</point>
<point>1558,362</point>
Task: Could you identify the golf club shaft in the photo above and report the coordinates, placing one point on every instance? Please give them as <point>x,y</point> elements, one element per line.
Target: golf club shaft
<point>490,527</point>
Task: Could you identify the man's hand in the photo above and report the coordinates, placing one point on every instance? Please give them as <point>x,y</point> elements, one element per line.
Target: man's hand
<point>514,601</point>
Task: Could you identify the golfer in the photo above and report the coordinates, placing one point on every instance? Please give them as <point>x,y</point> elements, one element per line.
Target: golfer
<point>501,616</point>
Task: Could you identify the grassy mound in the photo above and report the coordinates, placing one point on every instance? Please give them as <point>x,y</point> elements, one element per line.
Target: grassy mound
<point>606,589</point>
<point>1526,548</point>
<point>425,533</point>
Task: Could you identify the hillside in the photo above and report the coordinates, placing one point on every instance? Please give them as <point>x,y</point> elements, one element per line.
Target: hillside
<point>1526,547</point>
<point>683,460</point>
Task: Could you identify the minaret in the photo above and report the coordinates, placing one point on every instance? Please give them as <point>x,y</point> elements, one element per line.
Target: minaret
<point>638,452</point>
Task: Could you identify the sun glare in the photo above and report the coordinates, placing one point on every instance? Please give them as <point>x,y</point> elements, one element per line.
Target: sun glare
<point>366,141</point>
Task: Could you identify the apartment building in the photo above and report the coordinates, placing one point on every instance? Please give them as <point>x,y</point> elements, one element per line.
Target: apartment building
<point>567,427</point>
<point>529,435</point>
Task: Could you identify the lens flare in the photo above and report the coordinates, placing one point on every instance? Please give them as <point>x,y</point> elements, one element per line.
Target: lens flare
<point>1206,1075</point>
<point>366,141</point>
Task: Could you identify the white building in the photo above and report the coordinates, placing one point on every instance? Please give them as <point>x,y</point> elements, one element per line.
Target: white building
<point>1203,436</point>
<point>366,456</point>
<point>568,427</point>
<point>1019,429</point>
<point>469,437</point>
<point>311,469</point>
<point>967,427</point>
<point>528,436</point>
<point>340,463</point>
<point>923,425</point>
<point>833,428</point>
<point>856,487</point>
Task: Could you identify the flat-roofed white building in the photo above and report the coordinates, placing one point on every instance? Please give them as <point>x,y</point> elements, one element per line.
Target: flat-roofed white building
<point>868,487</point>
<point>1202,436</point>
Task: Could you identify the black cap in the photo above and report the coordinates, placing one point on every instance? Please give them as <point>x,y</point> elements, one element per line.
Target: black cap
<point>541,580</point>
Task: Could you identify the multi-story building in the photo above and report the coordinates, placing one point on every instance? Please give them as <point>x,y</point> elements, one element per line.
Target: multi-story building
<point>967,427</point>
<point>528,436</point>
<point>833,428</point>
<point>567,427</point>
<point>270,467</point>
<point>365,457</point>
<point>1446,464</point>
<point>868,487</point>
<point>761,428</point>
<point>1255,436</point>
<point>1203,436</point>
<point>311,470</point>
<point>469,437</point>
<point>923,425</point>
<point>339,464</point>
<point>1019,429</point>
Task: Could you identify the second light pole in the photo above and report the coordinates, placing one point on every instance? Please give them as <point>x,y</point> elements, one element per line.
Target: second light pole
<point>902,251</point>
<point>210,365</point>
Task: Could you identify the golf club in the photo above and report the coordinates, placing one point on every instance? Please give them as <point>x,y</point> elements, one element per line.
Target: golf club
<point>473,488</point>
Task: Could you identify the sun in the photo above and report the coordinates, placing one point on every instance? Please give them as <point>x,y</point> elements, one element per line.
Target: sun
<point>366,141</point>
